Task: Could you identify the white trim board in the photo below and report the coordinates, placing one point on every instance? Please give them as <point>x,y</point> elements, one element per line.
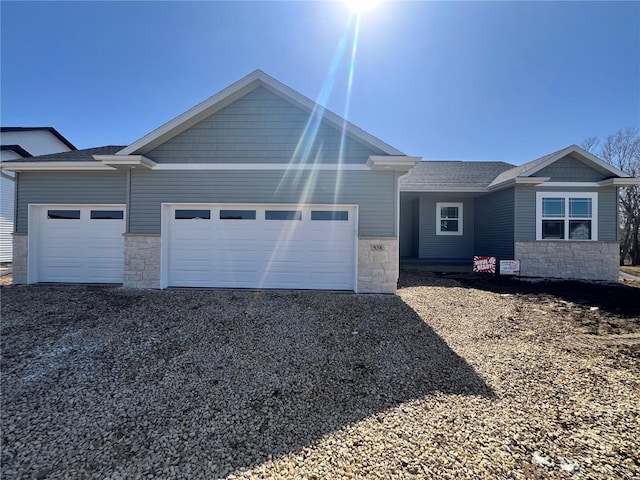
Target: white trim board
<point>259,166</point>
<point>27,166</point>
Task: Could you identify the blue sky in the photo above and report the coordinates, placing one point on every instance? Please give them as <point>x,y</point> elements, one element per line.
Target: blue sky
<point>472,81</point>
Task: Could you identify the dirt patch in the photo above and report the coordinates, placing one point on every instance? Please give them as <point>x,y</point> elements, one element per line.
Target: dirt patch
<point>632,270</point>
<point>609,311</point>
<point>6,280</point>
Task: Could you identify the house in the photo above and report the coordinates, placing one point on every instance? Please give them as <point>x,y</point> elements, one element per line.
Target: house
<point>557,214</point>
<point>15,143</point>
<point>260,187</point>
<point>256,187</point>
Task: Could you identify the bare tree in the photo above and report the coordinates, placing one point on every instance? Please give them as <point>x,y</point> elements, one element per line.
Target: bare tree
<point>622,150</point>
<point>590,144</point>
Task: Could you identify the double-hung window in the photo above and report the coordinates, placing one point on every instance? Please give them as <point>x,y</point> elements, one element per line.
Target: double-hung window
<point>566,216</point>
<point>448,218</point>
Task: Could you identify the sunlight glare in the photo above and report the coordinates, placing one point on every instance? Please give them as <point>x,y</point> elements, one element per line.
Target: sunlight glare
<point>360,6</point>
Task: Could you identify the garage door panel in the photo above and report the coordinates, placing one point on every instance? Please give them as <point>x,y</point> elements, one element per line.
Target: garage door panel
<point>108,250</point>
<point>228,269</point>
<point>79,250</point>
<point>261,253</point>
<point>104,274</point>
<point>192,254</point>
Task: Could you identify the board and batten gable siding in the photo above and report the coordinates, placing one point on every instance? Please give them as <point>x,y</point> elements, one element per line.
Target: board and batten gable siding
<point>68,188</point>
<point>494,229</point>
<point>373,191</point>
<point>526,211</point>
<point>261,127</point>
<point>570,169</point>
<point>450,247</point>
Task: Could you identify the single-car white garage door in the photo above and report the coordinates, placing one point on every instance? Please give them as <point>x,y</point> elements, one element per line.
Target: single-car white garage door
<point>76,244</point>
<point>262,246</point>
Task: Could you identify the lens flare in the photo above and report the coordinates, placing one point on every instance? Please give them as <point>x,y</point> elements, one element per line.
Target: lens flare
<point>300,184</point>
<point>361,6</point>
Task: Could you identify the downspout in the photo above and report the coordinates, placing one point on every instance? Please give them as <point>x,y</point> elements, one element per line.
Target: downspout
<point>128,200</point>
<point>396,192</point>
<point>15,202</point>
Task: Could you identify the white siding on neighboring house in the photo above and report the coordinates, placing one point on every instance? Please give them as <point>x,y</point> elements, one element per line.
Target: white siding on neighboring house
<point>7,189</point>
<point>36,142</point>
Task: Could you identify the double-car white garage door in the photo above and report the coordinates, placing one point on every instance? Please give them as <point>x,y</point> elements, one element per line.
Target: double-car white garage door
<point>238,246</point>
<point>261,246</point>
<point>76,244</point>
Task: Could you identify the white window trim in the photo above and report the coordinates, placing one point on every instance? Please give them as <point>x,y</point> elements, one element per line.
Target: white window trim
<point>439,206</point>
<point>566,195</point>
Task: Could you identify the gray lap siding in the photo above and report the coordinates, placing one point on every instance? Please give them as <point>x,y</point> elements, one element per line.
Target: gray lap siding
<point>494,228</point>
<point>526,211</point>
<point>450,247</point>
<point>261,127</point>
<point>67,188</point>
<point>372,191</point>
<point>570,169</point>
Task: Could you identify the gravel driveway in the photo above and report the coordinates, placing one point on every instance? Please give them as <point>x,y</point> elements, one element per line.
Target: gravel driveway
<point>441,381</point>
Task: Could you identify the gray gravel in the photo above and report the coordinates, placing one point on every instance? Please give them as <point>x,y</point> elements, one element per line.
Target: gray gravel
<point>438,382</point>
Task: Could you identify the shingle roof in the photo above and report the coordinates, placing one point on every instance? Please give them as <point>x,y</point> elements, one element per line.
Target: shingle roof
<point>85,155</point>
<point>452,174</point>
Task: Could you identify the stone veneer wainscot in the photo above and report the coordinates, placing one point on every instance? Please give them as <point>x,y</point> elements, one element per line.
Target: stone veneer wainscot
<point>378,266</point>
<point>19,267</point>
<point>141,261</point>
<point>562,259</point>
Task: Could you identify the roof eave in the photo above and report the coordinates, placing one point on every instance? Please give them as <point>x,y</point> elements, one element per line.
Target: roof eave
<point>43,166</point>
<point>518,181</point>
<point>16,149</point>
<point>620,182</point>
<point>398,163</point>
<point>125,162</point>
<point>443,189</point>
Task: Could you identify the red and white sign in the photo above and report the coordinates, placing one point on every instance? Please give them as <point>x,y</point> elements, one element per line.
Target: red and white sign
<point>484,264</point>
<point>509,267</point>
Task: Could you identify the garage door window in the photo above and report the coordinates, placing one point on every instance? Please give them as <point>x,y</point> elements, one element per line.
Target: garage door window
<point>336,215</point>
<point>283,215</point>
<point>107,214</point>
<point>63,214</point>
<point>237,214</point>
<point>193,214</point>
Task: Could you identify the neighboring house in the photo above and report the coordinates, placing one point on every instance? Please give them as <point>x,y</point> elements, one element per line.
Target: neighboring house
<point>558,214</point>
<point>17,143</point>
<point>256,187</point>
